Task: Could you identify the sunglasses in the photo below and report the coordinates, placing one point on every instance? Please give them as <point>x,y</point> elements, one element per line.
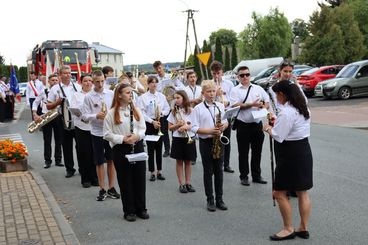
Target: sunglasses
<point>244,74</point>
<point>287,63</point>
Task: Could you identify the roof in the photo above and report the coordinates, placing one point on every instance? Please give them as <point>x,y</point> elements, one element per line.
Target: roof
<point>104,49</point>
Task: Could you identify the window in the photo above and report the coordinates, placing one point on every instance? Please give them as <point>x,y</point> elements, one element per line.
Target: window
<point>363,71</point>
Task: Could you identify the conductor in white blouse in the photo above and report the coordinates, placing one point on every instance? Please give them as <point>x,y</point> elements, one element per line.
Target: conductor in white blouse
<point>124,127</point>
<point>294,161</point>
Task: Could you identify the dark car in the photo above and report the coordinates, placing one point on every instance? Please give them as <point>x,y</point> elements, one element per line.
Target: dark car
<point>264,73</point>
<point>352,80</point>
<point>309,79</point>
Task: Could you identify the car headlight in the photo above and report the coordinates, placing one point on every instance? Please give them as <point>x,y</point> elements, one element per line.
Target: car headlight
<point>331,85</point>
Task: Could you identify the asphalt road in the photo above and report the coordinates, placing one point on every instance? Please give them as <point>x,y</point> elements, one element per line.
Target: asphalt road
<point>339,199</point>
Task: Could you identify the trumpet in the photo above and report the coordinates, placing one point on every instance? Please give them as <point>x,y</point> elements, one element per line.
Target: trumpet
<point>179,117</point>
<point>219,90</point>
<point>158,116</point>
<point>103,107</point>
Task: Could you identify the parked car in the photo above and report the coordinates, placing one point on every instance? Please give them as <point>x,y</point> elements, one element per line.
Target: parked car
<point>22,89</point>
<point>309,79</point>
<point>264,73</point>
<point>350,81</point>
<point>231,76</point>
<point>299,71</point>
<point>263,82</point>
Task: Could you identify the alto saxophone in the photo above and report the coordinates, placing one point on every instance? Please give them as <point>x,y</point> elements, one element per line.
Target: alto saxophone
<point>217,146</point>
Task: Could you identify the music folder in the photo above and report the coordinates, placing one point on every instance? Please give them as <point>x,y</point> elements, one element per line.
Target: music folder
<point>231,112</point>
<point>136,157</point>
<point>154,138</point>
<point>259,113</point>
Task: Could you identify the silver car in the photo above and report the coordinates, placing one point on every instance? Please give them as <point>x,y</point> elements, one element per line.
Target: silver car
<point>352,80</point>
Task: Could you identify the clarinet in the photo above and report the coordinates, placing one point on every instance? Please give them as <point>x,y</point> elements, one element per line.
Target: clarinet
<point>131,124</point>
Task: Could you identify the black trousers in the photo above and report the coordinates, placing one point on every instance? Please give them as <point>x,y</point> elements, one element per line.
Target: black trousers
<point>56,126</point>
<point>152,148</point>
<point>2,110</point>
<point>67,143</point>
<point>227,148</point>
<point>86,166</point>
<point>165,131</point>
<point>211,167</point>
<point>131,178</point>
<point>9,107</point>
<point>249,135</point>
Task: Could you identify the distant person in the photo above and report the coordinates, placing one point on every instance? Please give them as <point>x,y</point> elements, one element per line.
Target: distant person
<point>294,161</point>
<point>34,88</point>
<point>3,90</point>
<point>142,78</point>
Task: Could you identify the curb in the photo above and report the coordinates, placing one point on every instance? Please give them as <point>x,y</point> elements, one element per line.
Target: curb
<point>65,228</point>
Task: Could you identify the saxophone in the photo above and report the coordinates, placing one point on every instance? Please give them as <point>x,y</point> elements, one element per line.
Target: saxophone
<point>217,145</point>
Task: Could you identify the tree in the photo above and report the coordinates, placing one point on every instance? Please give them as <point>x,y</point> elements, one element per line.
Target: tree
<point>190,61</point>
<point>22,74</point>
<point>227,65</point>
<point>218,50</point>
<point>360,9</point>
<point>197,64</point>
<point>226,37</point>
<point>299,28</point>
<point>234,56</point>
<point>2,60</point>
<point>332,3</point>
<point>267,36</point>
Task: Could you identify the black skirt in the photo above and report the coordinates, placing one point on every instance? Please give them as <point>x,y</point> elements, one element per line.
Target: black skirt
<point>294,165</point>
<point>180,150</point>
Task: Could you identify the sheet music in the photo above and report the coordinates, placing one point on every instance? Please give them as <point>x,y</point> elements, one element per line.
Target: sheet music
<point>154,138</point>
<point>136,157</point>
<point>260,113</point>
<point>231,112</point>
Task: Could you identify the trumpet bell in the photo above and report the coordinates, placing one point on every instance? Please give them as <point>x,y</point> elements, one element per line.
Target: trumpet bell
<point>190,141</point>
<point>160,133</point>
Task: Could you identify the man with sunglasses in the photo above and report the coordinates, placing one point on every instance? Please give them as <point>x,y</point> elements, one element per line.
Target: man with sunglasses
<point>249,134</point>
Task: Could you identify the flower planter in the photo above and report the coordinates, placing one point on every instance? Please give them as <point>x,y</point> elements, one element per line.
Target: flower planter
<point>6,166</point>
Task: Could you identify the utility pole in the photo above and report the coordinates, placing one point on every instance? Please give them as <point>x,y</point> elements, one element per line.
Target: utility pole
<point>190,17</point>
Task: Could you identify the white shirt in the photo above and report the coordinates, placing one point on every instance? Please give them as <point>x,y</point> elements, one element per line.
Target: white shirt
<point>226,87</point>
<point>256,93</point>
<point>37,85</point>
<point>77,101</point>
<point>166,81</point>
<point>115,133</point>
<point>92,105</point>
<point>204,117</point>
<point>290,125</point>
<point>187,118</point>
<point>193,93</point>
<point>147,102</point>
<point>2,92</point>
<point>42,101</point>
<point>4,87</point>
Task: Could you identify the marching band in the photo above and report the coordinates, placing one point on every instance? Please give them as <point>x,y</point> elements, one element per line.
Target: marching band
<point>115,124</point>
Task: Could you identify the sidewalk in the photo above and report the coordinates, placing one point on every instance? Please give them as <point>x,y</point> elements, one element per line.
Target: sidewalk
<point>29,213</point>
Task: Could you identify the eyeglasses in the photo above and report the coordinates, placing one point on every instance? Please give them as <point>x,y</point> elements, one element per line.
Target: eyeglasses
<point>287,63</point>
<point>244,74</point>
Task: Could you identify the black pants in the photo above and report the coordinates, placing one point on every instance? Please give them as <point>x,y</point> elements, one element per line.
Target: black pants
<point>86,166</point>
<point>165,131</point>
<point>9,107</point>
<point>227,148</point>
<point>131,178</point>
<point>56,126</point>
<point>67,143</point>
<point>152,148</point>
<point>249,135</point>
<point>2,110</point>
<point>211,167</point>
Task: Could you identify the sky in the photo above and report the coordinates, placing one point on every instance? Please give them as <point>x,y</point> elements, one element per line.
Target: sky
<point>145,30</point>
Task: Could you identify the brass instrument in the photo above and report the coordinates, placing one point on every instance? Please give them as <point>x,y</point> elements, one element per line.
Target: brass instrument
<point>219,90</point>
<point>45,119</point>
<point>174,75</point>
<point>158,116</point>
<point>218,140</point>
<point>103,107</point>
<point>179,117</point>
<point>169,92</point>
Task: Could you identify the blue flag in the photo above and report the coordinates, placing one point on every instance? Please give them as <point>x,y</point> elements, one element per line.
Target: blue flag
<point>14,82</point>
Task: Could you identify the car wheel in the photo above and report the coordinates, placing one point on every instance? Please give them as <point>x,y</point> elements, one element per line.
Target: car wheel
<point>344,93</point>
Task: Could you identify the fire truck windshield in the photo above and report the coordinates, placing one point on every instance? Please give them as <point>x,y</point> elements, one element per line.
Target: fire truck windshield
<point>69,56</point>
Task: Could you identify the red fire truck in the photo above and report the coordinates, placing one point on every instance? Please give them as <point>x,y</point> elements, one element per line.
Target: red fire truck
<point>68,50</point>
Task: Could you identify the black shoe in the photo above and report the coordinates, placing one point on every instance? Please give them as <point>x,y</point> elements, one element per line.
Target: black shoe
<point>277,238</point>
<point>160,177</point>
<point>101,195</point>
<point>129,217</point>
<point>95,183</point>
<point>47,165</point>
<point>166,154</point>
<point>211,206</point>
<point>86,185</point>
<point>112,193</point>
<point>302,234</point>
<point>259,180</point>
<point>59,164</point>
<point>183,189</point>
<point>143,215</point>
<point>228,169</point>
<point>221,205</point>
<point>153,177</point>
<point>245,181</point>
<point>190,188</point>
<point>69,174</point>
